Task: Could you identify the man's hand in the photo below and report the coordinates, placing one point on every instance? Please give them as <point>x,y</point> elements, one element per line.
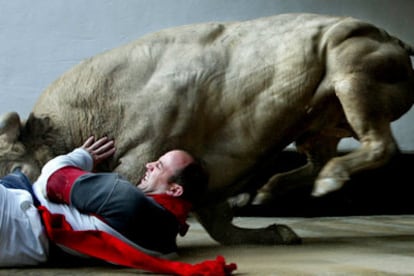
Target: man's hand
<point>99,149</point>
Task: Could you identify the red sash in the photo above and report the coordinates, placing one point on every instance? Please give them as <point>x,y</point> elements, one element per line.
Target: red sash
<point>103,246</point>
<point>179,207</point>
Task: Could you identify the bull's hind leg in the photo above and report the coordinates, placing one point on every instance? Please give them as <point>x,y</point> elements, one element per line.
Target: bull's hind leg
<point>318,148</point>
<point>372,76</point>
<point>366,107</point>
<point>217,220</point>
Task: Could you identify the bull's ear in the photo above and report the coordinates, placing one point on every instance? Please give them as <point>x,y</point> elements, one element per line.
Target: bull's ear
<point>10,126</point>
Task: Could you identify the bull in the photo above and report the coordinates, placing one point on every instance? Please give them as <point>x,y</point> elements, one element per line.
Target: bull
<point>235,94</point>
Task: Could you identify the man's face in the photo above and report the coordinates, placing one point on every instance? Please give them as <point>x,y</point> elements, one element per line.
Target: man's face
<point>155,180</point>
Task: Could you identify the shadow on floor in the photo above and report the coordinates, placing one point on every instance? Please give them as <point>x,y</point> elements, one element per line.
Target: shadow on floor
<point>385,191</point>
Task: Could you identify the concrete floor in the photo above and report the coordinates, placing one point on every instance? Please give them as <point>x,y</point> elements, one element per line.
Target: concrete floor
<point>354,245</point>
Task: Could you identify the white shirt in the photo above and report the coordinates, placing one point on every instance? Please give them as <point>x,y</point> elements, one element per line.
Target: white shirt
<point>22,238</point>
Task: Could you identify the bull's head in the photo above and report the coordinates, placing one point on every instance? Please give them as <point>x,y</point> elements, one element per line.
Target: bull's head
<point>13,152</point>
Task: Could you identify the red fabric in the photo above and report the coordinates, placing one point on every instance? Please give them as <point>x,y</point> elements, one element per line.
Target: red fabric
<point>106,247</point>
<point>60,184</point>
<point>179,207</point>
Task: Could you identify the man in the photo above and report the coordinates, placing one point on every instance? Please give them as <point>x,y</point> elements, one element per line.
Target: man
<point>174,181</point>
<point>126,227</point>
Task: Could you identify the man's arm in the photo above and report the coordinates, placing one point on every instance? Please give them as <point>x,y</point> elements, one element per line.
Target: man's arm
<point>100,149</point>
<point>86,157</point>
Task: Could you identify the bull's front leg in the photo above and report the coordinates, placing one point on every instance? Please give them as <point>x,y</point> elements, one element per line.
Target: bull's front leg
<point>217,220</point>
<point>282,183</point>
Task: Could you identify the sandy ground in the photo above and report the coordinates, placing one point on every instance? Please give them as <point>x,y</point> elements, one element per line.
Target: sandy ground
<point>355,245</point>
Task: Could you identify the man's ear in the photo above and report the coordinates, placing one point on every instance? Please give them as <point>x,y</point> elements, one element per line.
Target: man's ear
<point>175,190</point>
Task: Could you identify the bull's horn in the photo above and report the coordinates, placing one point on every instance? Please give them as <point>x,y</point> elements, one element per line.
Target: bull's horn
<point>10,126</point>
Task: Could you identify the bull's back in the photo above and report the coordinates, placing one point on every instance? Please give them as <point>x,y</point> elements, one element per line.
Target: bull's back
<point>226,91</point>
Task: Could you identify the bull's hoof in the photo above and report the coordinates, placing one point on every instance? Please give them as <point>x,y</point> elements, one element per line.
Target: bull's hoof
<point>239,200</point>
<point>262,198</point>
<point>284,234</point>
<point>325,186</point>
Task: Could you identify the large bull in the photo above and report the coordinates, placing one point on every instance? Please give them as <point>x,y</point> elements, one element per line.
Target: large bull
<point>235,94</point>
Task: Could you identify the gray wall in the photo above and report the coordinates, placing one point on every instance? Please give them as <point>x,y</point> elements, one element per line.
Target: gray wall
<point>42,39</point>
